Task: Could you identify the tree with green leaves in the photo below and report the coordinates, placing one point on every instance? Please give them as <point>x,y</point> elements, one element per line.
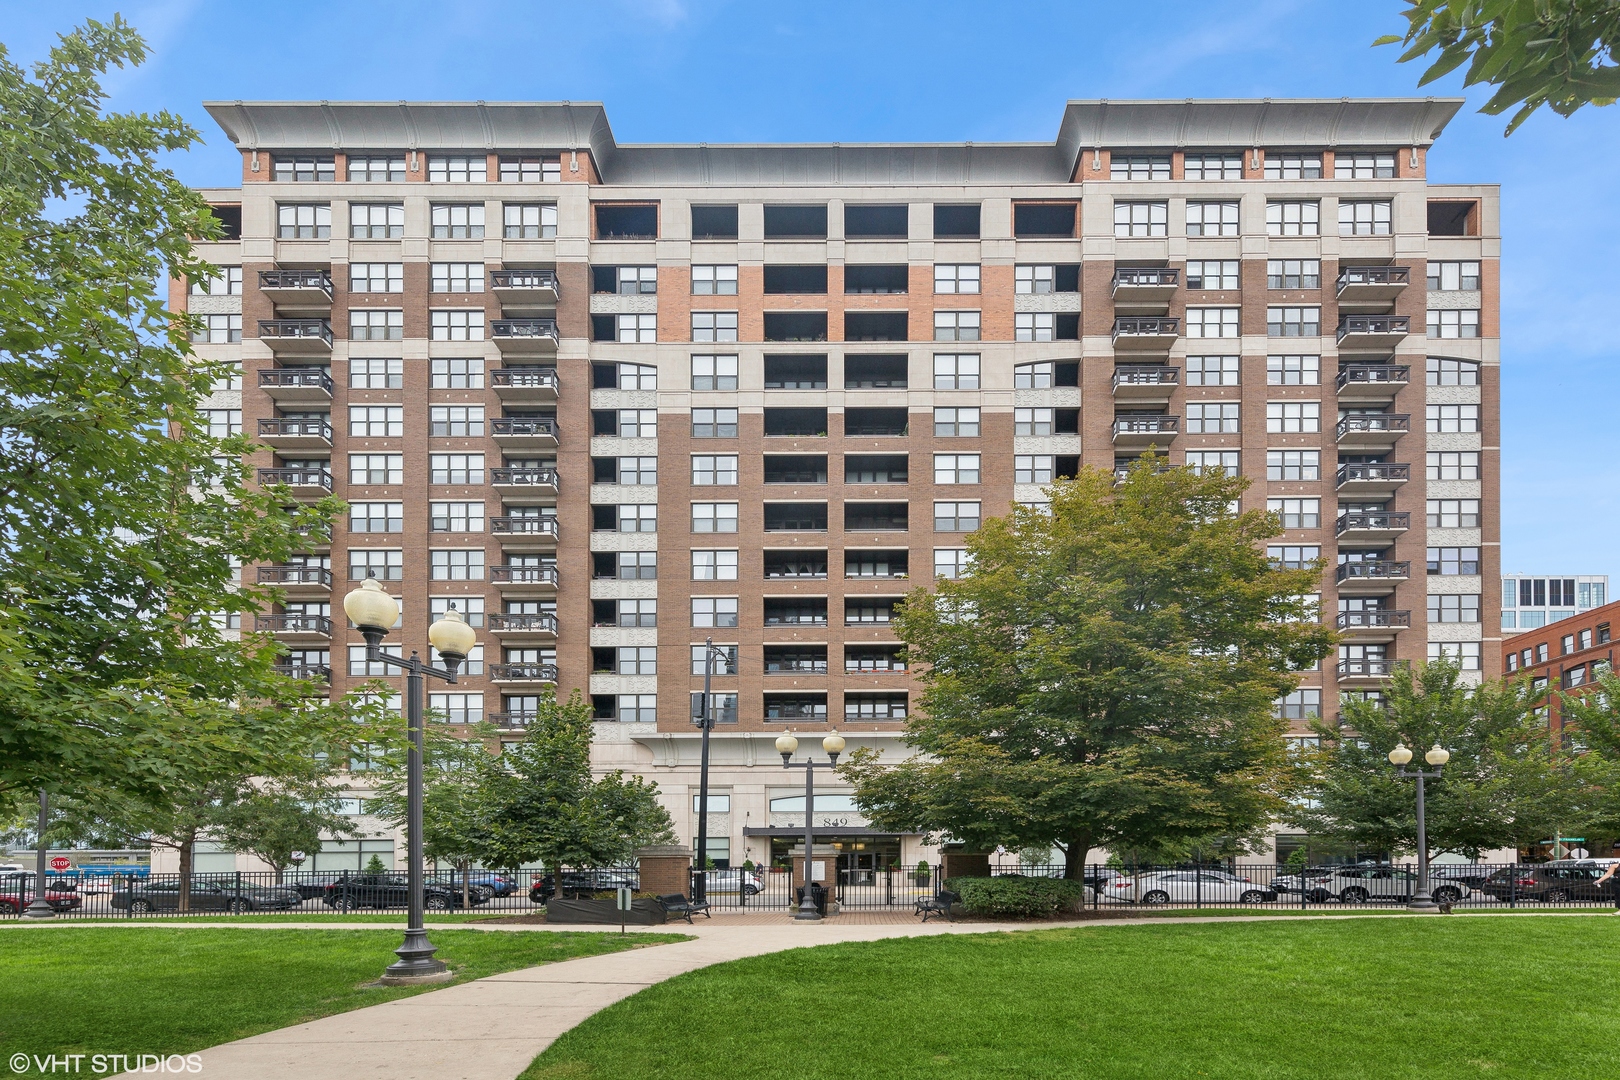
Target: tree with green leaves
<point>123,519</point>
<point>272,823</point>
<point>1508,783</point>
<point>1558,53</point>
<point>1591,732</point>
<point>1105,674</point>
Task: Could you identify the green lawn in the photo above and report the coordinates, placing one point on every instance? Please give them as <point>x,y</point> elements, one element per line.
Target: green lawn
<point>1364,999</point>
<point>158,990</point>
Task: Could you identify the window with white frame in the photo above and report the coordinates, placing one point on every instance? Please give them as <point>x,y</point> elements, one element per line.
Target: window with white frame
<point>375,373</point>
<point>227,282</point>
<point>956,422</point>
<point>383,277</point>
<point>956,468</point>
<point>1212,417</point>
<point>725,663</point>
<point>1212,167</point>
<point>1451,418</point>
<point>1286,166</point>
<point>714,470</point>
<point>376,469</point>
<point>720,565</point>
<point>714,423</point>
<point>456,564</point>
<point>1290,369</point>
<point>643,329</point>
<point>714,326</point>
<point>714,280</point>
<point>714,517</point>
<point>1293,417</point>
<point>456,373</point>
<point>956,516</point>
<point>386,517</point>
<point>384,564</point>
<point>1465,654</point>
<point>1451,276</point>
<point>1034,326</point>
<point>1034,279</point>
<point>1212,218</point>
<point>1294,321</point>
<point>1297,513</point>
<point>457,277</point>
<point>455,469</point>
<point>956,326</point>
<point>1453,513</point>
<point>216,329</point>
<point>1139,167</point>
<point>1453,464</point>
<point>376,421</point>
<point>1454,323</point>
<point>1293,273</point>
<point>956,277</point>
<point>1364,217</point>
<point>1033,421</point>
<point>637,517</point>
<point>457,708</point>
<point>1293,218</point>
<point>456,517</point>
<point>1212,274</point>
<point>1212,370</point>
<point>473,663</point>
<point>456,324</point>
<point>716,611</point>
<point>956,371</point>
<point>456,421</point>
<point>1377,166</point>
<point>303,221</point>
<point>376,324</point>
<point>457,221</point>
<point>1135,219</point>
<point>457,169</point>
<point>1212,322</point>
<point>376,221</point>
<point>1215,461</point>
<point>714,372</point>
<point>529,221</point>
<point>1454,607</point>
<point>951,562</point>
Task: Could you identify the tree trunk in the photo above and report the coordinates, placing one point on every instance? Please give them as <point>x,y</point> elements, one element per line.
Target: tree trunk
<point>280,870</point>
<point>183,898</point>
<point>1074,857</point>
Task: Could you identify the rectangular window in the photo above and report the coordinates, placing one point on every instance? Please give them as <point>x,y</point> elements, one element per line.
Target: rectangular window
<point>1212,322</point>
<point>1297,513</point>
<point>380,563</point>
<point>457,169</point>
<point>371,324</point>
<point>457,708</point>
<point>949,422</point>
<point>1212,417</point>
<point>1291,417</point>
<point>376,374</point>
<point>455,469</point>
<point>1454,560</point>
<point>1366,217</point>
<point>456,517</point>
<point>956,371</point>
<point>1302,704</point>
<point>457,221</point>
<point>376,169</point>
<point>713,326</point>
<point>228,282</point>
<point>956,516</point>
<point>1218,461</point>
<point>632,423</point>
<point>636,329</point>
<point>376,221</point>
<point>1453,276</point>
<point>457,277</point>
<point>1293,218</point>
<point>1212,218</point>
<point>1293,166</point>
<point>456,564</point>
<point>637,660</point>
<point>1452,418</point>
<point>1212,274</point>
<point>1454,323</point>
<point>361,666</point>
<point>376,468</point>
<point>1033,468</point>
<point>1454,607</point>
<point>1035,326</point>
<point>1301,465</point>
<point>718,517</point>
<point>714,565</point>
<point>1293,322</point>
<point>1347,166</point>
<point>638,471</point>
<point>1212,167</point>
<point>1139,167</point>
<point>1132,219</point>
<point>1034,279</point>
<point>714,280</point>
<point>376,421</point>
<point>636,517</point>
<point>216,330</point>
<point>1465,654</point>
<point>1036,422</point>
<point>956,277</point>
<point>1293,273</point>
<point>377,277</point>
<point>1444,372</point>
<point>456,373</point>
<point>529,221</point>
<point>1212,371</point>
<point>716,611</point>
<point>1453,513</point>
<point>1293,556</point>
<point>456,421</point>
<point>222,423</point>
<point>636,708</point>
<point>1293,370</point>
<point>376,517</point>
<point>712,470</point>
<point>456,324</point>
<point>714,372</point>
<point>714,423</point>
<point>956,468</point>
<point>303,221</point>
<point>629,566</point>
<point>530,170</point>
<point>956,326</point>
<point>951,562</point>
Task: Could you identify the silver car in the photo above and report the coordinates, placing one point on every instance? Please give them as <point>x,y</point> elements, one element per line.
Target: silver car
<point>1362,884</point>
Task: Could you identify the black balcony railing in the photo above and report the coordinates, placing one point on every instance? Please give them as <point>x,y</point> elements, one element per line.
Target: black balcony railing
<point>537,426</point>
<point>524,526</point>
<point>1373,620</point>
<point>289,429</point>
<point>1373,570</point>
<point>523,672</point>
<point>524,329</point>
<point>524,378</point>
<point>523,279</point>
<point>1145,275</point>
<point>1373,324</point>
<point>318,576</point>
<point>1369,668</point>
<point>318,478</point>
<point>542,623</point>
<point>293,624</point>
<point>297,378</point>
<point>1145,326</point>
<point>512,719</point>
<point>312,672</point>
<point>296,279</point>
<point>788,710</point>
<point>1374,275</point>
<point>1393,375</point>
<point>1146,425</point>
<point>1375,521</point>
<point>524,477</point>
<point>290,329</point>
<point>1146,375</point>
<point>1374,472</point>
<point>523,575</point>
<point>1373,423</point>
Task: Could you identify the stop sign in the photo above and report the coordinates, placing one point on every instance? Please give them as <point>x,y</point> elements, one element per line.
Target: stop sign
<point>61,862</point>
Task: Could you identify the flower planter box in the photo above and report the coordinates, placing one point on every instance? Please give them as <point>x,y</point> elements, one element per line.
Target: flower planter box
<point>643,912</point>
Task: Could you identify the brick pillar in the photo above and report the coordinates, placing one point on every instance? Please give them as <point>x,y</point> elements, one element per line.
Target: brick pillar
<point>666,869</point>
<point>827,856</point>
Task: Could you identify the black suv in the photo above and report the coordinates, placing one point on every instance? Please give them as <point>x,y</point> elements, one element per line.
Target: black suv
<point>577,883</point>
<point>1553,882</point>
<point>392,891</point>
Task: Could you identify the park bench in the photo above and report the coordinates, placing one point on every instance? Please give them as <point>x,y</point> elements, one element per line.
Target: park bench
<point>938,904</point>
<point>678,906</point>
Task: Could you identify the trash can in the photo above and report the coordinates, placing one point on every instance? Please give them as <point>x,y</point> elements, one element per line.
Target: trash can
<point>818,897</point>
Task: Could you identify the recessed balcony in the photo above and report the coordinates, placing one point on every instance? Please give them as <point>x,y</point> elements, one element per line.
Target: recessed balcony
<point>297,337</point>
<point>1372,431</point>
<point>524,384</point>
<point>295,627</point>
<point>515,580</point>
<point>1371,382</point>
<point>523,673</point>
<point>304,483</point>
<point>525,486</point>
<point>1374,669</point>
<point>313,673</point>
<point>1372,478</point>
<point>1371,577</point>
<point>525,336</point>
<point>524,432</point>
<point>1372,333</point>
<point>301,434</point>
<point>1145,431</point>
<point>1372,284</point>
<point>297,288</point>
<point>540,627</point>
<point>512,720</point>
<point>297,580</point>
<point>525,533</point>
<point>1378,625</point>
<point>1145,382</point>
<point>1361,528</point>
<point>1148,334</point>
<point>1142,286</point>
<point>296,385</point>
<point>518,289</point>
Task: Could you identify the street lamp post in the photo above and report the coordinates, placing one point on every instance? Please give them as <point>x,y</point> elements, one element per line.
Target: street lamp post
<point>374,611</point>
<point>40,908</point>
<point>1437,756</point>
<point>834,745</point>
<point>700,880</point>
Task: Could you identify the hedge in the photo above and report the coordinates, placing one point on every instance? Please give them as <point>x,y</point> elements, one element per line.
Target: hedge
<point>1027,897</point>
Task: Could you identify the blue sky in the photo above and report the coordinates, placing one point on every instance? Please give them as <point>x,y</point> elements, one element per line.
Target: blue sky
<point>689,71</point>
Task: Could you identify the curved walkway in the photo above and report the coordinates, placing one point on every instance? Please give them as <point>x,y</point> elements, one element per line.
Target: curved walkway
<point>492,1028</point>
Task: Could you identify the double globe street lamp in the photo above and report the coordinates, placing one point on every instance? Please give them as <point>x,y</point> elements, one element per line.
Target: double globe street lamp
<point>374,611</point>
<point>786,745</point>
<point>1400,757</point>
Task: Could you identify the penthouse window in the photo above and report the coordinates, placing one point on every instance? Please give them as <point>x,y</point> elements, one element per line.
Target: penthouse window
<point>795,222</point>
<point>626,221</point>
<point>1365,217</point>
<point>1137,219</point>
<point>1213,167</point>
<point>956,222</point>
<point>1044,221</point>
<point>376,221</point>
<point>1293,166</point>
<point>303,221</point>
<point>1363,166</point>
<point>1295,218</point>
<point>876,222</point>
<point>457,169</point>
<point>529,221</point>
<point>1139,167</point>
<point>376,169</point>
<point>299,169</point>
<point>714,222</point>
<point>457,221</point>
<point>530,170</point>
<point>868,280</point>
<point>794,280</point>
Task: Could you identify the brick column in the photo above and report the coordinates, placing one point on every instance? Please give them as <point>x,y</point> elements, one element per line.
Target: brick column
<point>666,869</point>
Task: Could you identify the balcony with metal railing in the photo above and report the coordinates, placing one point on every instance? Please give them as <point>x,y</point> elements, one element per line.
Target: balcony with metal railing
<point>1140,286</point>
<point>295,626</point>
<point>1371,577</point>
<point>524,579</point>
<point>297,288</point>
<point>1145,333</point>
<point>515,720</point>
<point>525,336</point>
<point>315,673</point>
<point>1370,669</point>
<point>536,626</point>
<point>1373,478</point>
<point>296,434</point>
<point>523,673</point>
<point>1145,382</point>
<point>524,383</point>
<point>1371,382</point>
<point>296,579</point>
<point>1374,431</point>
<point>1379,624</point>
<point>304,483</point>
<point>524,432</point>
<point>1372,284</point>
<point>1371,526</point>
<point>296,385</point>
<point>520,289</point>
<point>1378,333</point>
<point>518,533</point>
<point>519,485</point>
<point>1144,431</point>
<point>303,337</point>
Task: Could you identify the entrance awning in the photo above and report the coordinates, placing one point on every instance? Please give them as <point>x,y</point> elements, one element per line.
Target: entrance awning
<point>823,832</point>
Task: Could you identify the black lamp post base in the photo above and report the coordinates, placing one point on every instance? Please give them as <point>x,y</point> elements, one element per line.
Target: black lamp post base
<point>807,913</point>
<point>39,909</point>
<point>416,965</point>
<point>1423,904</point>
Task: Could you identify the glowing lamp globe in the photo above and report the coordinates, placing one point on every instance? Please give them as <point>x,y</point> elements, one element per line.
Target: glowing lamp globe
<point>1400,755</point>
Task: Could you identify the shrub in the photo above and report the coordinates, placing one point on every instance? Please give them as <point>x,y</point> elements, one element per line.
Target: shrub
<point>1016,896</point>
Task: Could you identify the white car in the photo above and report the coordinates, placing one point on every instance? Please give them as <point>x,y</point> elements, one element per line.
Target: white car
<point>1188,887</point>
<point>1360,884</point>
<point>730,881</point>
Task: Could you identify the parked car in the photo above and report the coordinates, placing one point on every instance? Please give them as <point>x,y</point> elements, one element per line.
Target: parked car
<point>1553,882</point>
<point>1098,878</point>
<point>580,882</point>
<point>1366,883</point>
<point>17,892</point>
<point>730,881</point>
<point>151,896</point>
<point>1188,886</point>
<point>353,891</point>
<point>1468,875</point>
<point>1314,880</point>
<point>494,883</point>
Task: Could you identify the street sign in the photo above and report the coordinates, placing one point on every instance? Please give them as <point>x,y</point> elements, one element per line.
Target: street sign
<point>625,897</point>
<point>61,862</point>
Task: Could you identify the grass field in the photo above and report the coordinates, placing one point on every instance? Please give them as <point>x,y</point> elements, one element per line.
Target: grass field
<point>171,991</point>
<point>1369,999</point>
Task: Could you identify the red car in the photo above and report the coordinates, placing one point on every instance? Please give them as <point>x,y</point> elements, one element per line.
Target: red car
<point>17,892</point>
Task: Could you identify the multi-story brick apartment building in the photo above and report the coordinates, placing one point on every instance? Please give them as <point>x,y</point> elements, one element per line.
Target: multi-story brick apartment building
<point>615,400</point>
<point>1564,656</point>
